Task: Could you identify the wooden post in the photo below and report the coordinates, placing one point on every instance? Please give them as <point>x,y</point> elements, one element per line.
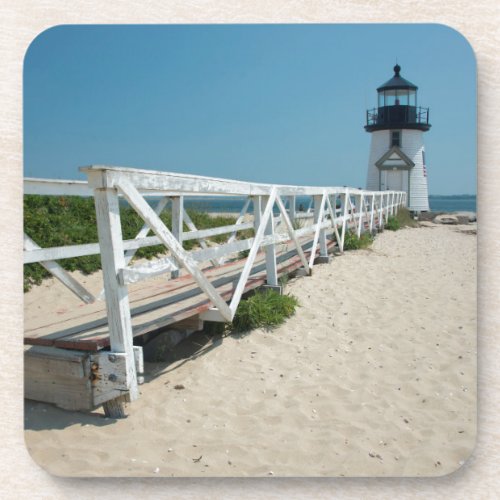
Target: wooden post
<point>177,222</point>
<point>381,212</point>
<point>271,268</point>
<point>359,206</point>
<point>344,201</point>
<point>117,303</point>
<point>291,209</point>
<point>319,215</point>
<point>257,212</point>
<point>372,211</point>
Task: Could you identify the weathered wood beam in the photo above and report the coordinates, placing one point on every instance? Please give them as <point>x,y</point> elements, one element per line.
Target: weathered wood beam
<point>59,273</point>
<point>117,303</point>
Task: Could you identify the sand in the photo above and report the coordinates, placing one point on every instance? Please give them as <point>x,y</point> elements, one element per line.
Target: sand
<point>374,375</point>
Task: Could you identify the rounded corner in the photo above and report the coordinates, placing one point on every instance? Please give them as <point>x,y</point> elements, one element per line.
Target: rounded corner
<point>37,38</point>
<point>34,460</point>
<point>460,35</point>
<point>461,463</point>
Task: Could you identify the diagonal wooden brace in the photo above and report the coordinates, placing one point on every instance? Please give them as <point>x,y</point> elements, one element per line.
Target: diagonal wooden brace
<point>167,238</point>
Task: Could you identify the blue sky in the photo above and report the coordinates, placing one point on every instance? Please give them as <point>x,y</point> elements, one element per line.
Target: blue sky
<point>264,103</point>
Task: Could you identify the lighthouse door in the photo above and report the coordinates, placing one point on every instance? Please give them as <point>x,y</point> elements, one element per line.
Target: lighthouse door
<point>392,180</point>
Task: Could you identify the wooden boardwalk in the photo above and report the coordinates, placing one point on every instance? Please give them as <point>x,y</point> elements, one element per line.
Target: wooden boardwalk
<point>155,304</point>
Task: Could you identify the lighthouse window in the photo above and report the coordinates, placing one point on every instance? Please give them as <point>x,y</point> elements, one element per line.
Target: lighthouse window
<point>390,97</point>
<point>396,138</point>
<point>402,97</point>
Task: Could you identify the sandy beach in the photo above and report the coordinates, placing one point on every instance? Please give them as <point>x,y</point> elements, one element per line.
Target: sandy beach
<point>375,375</point>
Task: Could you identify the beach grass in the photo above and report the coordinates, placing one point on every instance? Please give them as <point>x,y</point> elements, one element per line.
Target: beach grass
<point>264,309</point>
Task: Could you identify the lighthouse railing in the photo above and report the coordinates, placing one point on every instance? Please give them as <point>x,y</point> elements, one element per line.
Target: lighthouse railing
<point>397,115</point>
<point>275,220</point>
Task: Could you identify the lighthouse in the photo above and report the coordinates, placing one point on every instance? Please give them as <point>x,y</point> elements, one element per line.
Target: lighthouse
<point>397,153</point>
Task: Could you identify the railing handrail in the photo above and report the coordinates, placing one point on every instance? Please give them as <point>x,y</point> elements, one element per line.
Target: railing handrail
<point>421,114</point>
<point>64,187</point>
<point>188,184</point>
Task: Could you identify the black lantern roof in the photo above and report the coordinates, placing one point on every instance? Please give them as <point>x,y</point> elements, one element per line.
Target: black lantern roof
<point>397,82</point>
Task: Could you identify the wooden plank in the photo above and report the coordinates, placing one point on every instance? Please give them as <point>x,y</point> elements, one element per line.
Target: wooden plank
<point>47,328</point>
<point>117,304</point>
<point>70,251</point>
<point>56,187</point>
<point>215,231</point>
<point>191,323</point>
<point>58,376</point>
<point>58,272</point>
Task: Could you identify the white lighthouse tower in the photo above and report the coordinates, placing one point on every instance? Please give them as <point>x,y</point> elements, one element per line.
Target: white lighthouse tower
<point>397,154</point>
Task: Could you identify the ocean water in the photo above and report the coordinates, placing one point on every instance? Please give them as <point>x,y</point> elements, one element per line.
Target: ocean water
<point>233,204</point>
<point>455,203</point>
<point>438,203</point>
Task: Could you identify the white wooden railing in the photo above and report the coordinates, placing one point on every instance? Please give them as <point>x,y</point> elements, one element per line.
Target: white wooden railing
<point>333,210</point>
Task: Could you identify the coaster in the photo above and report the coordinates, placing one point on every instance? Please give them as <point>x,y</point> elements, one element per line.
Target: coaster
<point>250,250</point>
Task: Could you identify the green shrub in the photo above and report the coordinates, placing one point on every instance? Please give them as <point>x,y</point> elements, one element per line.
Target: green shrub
<point>392,224</point>
<point>265,309</point>
<point>352,242</point>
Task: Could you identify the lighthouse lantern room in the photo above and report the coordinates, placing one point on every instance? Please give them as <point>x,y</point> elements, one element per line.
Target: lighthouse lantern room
<point>397,155</point>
